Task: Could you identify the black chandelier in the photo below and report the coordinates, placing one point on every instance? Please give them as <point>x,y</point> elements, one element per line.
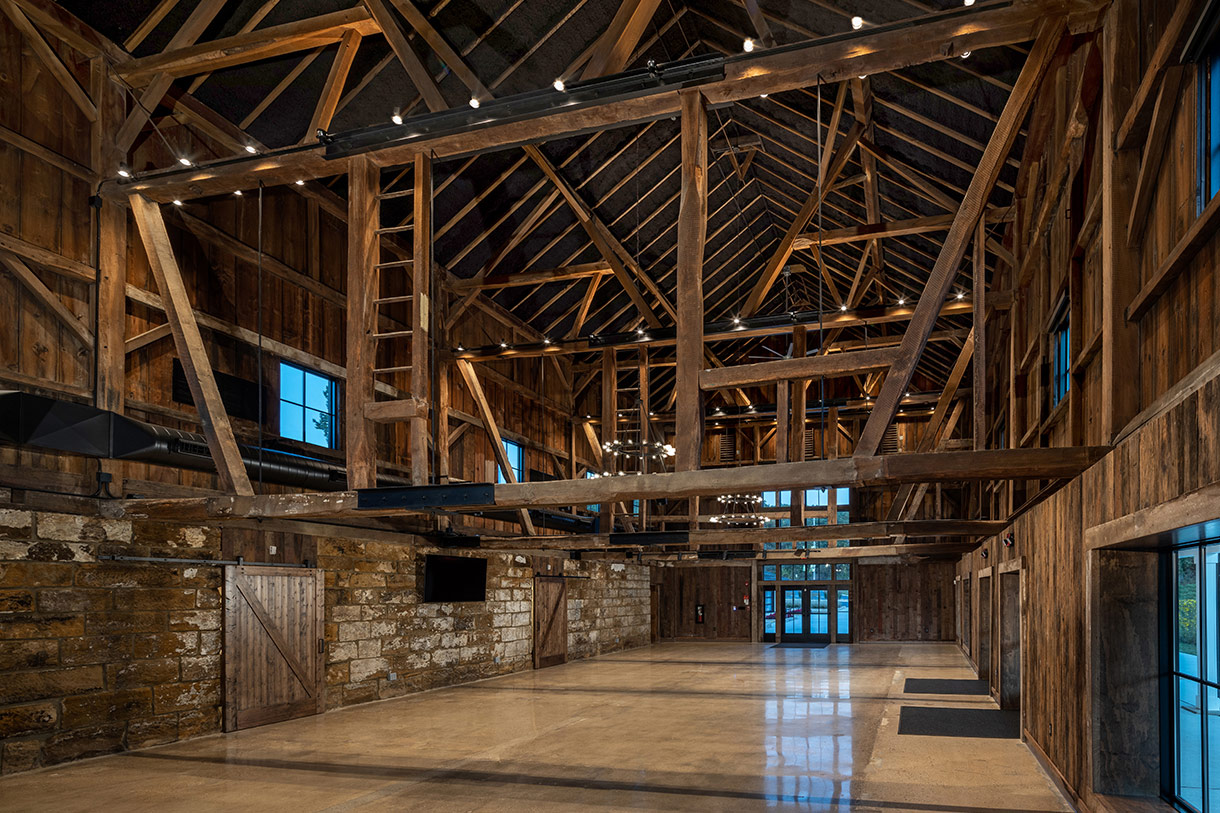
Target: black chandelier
<point>739,511</point>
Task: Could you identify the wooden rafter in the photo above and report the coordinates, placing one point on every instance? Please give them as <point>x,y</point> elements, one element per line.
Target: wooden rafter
<point>614,47</point>
<point>47,56</point>
<point>48,298</point>
<point>191,349</point>
<point>953,249</point>
<point>407,57</point>
<point>333,88</point>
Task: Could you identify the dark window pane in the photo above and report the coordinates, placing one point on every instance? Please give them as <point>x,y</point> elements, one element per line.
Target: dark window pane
<point>819,612</point>
<point>792,573</point>
<point>793,614</point>
<point>768,573</point>
<point>1187,593</point>
<point>842,572</point>
<point>819,573</point>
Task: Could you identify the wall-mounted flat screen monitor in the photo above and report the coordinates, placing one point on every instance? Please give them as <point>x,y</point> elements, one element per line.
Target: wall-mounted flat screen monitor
<point>455,578</point>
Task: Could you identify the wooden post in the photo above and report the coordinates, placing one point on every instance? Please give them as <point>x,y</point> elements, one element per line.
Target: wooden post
<point>421,277</point>
<point>363,220</point>
<point>1119,263</point>
<point>191,350</point>
<point>796,429</point>
<point>609,429</point>
<point>645,435</point>
<point>692,233</point>
<point>979,399</point>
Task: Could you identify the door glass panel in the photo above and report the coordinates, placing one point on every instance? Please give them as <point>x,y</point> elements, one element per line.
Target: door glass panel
<point>1211,599</point>
<point>769,612</point>
<point>1190,744</point>
<point>819,573</point>
<point>1213,746</point>
<point>819,613</point>
<point>1187,599</point>
<point>793,612</point>
<point>843,612</point>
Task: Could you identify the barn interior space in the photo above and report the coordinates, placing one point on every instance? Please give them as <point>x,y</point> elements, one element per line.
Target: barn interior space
<point>507,405</point>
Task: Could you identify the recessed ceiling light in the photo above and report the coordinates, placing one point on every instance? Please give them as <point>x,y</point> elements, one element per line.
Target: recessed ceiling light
<point>961,295</point>
<point>857,23</point>
<point>965,54</point>
<point>250,148</point>
<point>237,192</point>
<point>474,103</point>
<point>843,307</point>
<point>396,118</point>
<point>299,182</point>
<point>186,162</point>
<point>124,172</point>
<point>748,45</point>
<point>558,85</point>
<point>177,203</point>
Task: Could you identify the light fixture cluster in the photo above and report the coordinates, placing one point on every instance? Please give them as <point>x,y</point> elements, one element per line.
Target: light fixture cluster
<point>739,511</point>
<point>652,450</point>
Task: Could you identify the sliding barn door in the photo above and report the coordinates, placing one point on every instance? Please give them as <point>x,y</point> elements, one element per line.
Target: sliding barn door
<point>274,645</point>
<point>550,621</point>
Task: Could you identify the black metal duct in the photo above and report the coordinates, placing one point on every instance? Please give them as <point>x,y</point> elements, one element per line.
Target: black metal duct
<point>35,420</point>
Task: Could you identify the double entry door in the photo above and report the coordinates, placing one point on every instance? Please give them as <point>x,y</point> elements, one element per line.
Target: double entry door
<point>809,614</point>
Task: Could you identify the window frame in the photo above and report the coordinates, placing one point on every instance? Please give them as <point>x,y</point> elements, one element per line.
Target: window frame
<point>519,469</point>
<point>1208,128</point>
<point>332,410</point>
<point>1061,353</point>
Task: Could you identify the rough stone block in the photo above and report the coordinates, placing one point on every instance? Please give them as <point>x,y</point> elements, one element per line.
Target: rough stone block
<point>336,652</point>
<point>78,528</point>
<point>126,575</point>
<point>210,642</point>
<point>337,673</point>
<point>148,731</point>
<point>198,722</point>
<point>27,654</point>
<point>155,598</point>
<point>183,696</point>
<point>143,672</point>
<point>354,630</point>
<point>95,649</point>
<point>165,644</point>
<point>16,601</point>
<point>83,742</point>
<point>195,619</point>
<point>365,668</point>
<point>368,649</point>
<point>21,755</point>
<point>35,574</point>
<point>124,622</point>
<point>29,719</point>
<point>102,707</point>
<point>73,600</point>
<point>15,626</point>
<point>205,668</point>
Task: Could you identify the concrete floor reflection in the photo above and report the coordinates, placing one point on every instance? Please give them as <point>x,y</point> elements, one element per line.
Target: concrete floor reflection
<point>682,727</point>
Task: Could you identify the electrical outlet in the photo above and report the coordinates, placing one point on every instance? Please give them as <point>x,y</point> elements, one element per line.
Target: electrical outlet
<point>393,676</point>
<point>271,549</point>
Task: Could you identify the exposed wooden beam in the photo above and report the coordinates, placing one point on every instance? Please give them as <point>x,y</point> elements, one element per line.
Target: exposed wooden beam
<point>158,81</point>
<point>944,272</point>
<point>363,254</point>
<point>153,334</point>
<point>50,60</point>
<point>957,466</point>
<point>526,278</point>
<point>692,234</point>
<point>407,57</point>
<point>870,231</point>
<point>333,88</point>
<point>493,432</point>
<point>932,38</point>
<point>185,58</point>
<point>147,25</point>
<point>421,316</point>
<point>618,41</point>
<point>828,365</point>
<point>47,298</point>
<point>1163,114</point>
<point>1135,120</point>
<point>787,243</point>
<point>191,350</point>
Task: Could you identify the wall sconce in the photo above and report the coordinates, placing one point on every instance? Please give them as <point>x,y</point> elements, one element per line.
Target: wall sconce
<point>986,553</point>
<point>1008,540</point>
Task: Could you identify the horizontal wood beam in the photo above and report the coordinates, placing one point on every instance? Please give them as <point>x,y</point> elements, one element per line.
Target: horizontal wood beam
<point>541,277</point>
<point>959,466</point>
<point>829,366</point>
<point>240,49</point>
<point>1177,261</point>
<point>853,552</point>
<point>932,38</point>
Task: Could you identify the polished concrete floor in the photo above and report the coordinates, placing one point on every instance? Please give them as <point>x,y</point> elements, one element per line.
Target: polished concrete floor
<point>688,727</point>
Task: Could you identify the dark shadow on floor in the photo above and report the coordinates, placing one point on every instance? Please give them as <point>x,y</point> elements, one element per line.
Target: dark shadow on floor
<point>479,780</point>
<point>928,721</point>
<point>944,686</point>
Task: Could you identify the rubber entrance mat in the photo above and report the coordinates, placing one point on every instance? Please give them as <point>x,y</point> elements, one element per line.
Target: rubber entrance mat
<point>941,722</point>
<point>944,686</point>
<point>800,645</point>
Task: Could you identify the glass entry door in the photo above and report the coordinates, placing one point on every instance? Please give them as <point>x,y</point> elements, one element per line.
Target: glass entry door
<point>806,614</point>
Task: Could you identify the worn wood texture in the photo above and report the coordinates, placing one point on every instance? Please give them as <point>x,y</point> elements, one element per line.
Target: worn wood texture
<point>550,621</point>
<point>274,645</point>
<point>722,592</point>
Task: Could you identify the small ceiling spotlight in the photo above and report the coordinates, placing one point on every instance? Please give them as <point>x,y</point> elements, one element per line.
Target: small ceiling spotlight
<point>124,171</point>
<point>474,102</point>
<point>250,148</point>
<point>396,118</point>
<point>299,182</point>
<point>968,2</point>
<point>558,85</point>
<point>843,307</point>
<point>748,45</point>
<point>177,202</point>
<point>237,192</point>
<point>965,54</point>
<point>461,349</point>
<point>186,162</point>
<point>546,340</point>
<point>503,345</point>
<point>736,321</point>
<point>857,23</point>
<point>961,295</point>
<point>763,95</point>
<point>908,395</point>
<point>639,331</point>
<point>902,300</point>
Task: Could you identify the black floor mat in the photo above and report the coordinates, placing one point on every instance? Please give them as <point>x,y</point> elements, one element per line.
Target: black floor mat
<point>947,722</point>
<point>800,645</point>
<point>944,686</point>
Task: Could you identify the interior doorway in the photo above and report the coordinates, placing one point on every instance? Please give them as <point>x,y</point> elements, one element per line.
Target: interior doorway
<point>1010,640</point>
<point>550,621</point>
<point>985,628</point>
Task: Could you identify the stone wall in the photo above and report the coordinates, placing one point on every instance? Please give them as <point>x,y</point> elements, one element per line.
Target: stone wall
<point>98,657</point>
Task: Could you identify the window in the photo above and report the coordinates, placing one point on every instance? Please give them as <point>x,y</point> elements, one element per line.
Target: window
<point>1061,369</point>
<point>1209,127</point>
<point>308,406</point>
<point>592,475</point>
<point>776,499</point>
<point>842,572</point>
<point>768,574</point>
<point>819,497</point>
<point>1193,685</point>
<point>792,573</point>
<point>516,462</point>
